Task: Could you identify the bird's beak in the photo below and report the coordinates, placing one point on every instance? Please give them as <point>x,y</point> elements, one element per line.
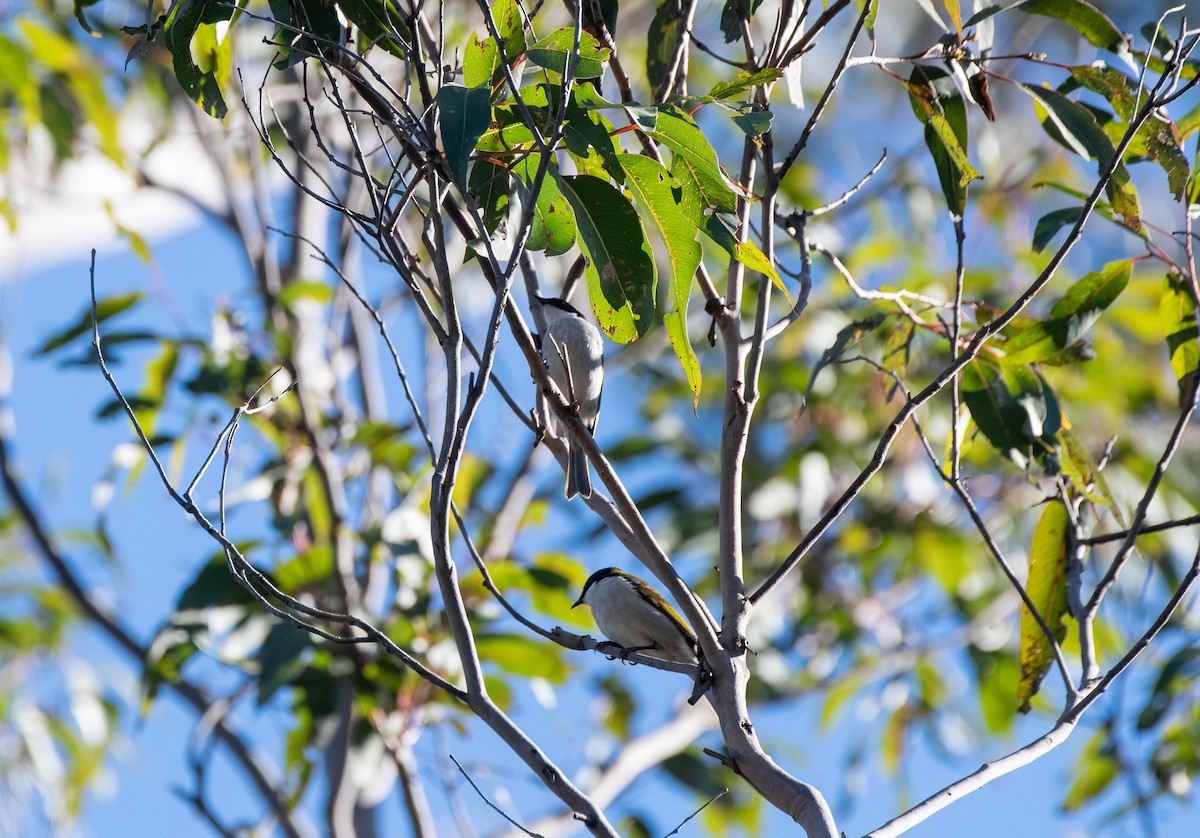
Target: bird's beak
<point>578,603</point>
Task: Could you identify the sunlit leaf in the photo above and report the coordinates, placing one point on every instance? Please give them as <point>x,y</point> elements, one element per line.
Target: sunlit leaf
<point>937,102</point>
<point>1070,317</point>
<point>553,51</point>
<point>1046,586</point>
<point>655,194</point>
<point>1177,311</point>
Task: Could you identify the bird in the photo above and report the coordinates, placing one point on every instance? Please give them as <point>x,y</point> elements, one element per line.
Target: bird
<point>574,354</point>
<point>632,614</point>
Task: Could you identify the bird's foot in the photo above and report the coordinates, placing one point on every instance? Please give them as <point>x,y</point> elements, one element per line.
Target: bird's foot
<point>630,650</point>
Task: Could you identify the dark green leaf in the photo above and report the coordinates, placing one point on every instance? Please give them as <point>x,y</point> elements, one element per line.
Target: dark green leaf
<point>381,22</point>
<point>80,5</point>
<point>1075,126</point>
<point>982,15</point>
<point>620,265</point>
<point>586,131</point>
<point>281,658</point>
<point>1176,679</point>
<point>661,40</point>
<point>192,21</point>
<point>1083,17</point>
<point>105,309</point>
<point>1050,223</point>
<point>317,18</point>
<point>1014,408</point>
<point>213,585</point>
<point>1046,586</point>
<point>464,113</point>
<point>732,14</point>
<point>492,187</point>
<point>694,770</point>
<point>1157,139</point>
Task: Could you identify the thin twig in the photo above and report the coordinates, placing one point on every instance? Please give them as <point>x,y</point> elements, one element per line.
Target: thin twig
<point>485,799</point>
<point>708,803</point>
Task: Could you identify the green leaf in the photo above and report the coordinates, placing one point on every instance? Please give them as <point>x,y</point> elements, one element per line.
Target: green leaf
<point>304,570</point>
<point>281,659</point>
<point>936,101</point>
<point>1070,317</point>
<point>1014,408</point>
<point>744,81</point>
<point>1177,311</point>
<point>307,289</point>
<point>847,337</point>
<point>318,19</point>
<point>1083,17</point>
<point>1049,224</point>
<point>1158,138</point>
<point>554,228</point>
<point>1175,680</point>
<point>661,39</point>
<point>694,163</point>
<point>201,59</point>
<point>552,51</point>
<point>1086,478</point>
<point>1100,769</point>
<point>481,59</point>
<point>522,656</point>
<point>748,254</point>
<point>620,265</point>
<point>464,114</point>
<point>655,195</point>
<point>1075,126</point>
<point>996,673</point>
<point>159,371</point>
<point>80,5</point>
<point>731,16</point>
<point>1046,586</point>
<point>381,22</point>
<point>586,133</point>
<point>752,121</point>
<point>105,309</point>
<point>694,770</point>
<point>492,186</point>
<point>983,14</point>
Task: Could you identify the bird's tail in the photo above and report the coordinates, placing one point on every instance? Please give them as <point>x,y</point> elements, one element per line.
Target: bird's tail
<point>578,480</point>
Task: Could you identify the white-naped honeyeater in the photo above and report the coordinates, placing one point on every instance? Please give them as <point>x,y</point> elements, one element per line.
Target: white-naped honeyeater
<point>574,355</point>
<point>633,615</point>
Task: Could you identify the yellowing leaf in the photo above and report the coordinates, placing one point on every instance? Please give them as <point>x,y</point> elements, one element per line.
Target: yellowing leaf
<point>1047,589</point>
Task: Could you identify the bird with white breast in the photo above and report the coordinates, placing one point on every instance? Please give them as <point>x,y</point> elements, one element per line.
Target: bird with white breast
<point>574,354</point>
<point>632,614</point>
